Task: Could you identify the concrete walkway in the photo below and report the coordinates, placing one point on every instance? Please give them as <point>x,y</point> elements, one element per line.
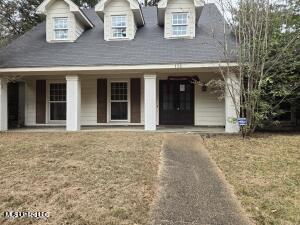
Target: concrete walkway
<point>192,189</point>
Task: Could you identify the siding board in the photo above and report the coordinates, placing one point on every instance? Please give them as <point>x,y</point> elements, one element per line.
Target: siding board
<point>89,101</point>
<point>209,111</point>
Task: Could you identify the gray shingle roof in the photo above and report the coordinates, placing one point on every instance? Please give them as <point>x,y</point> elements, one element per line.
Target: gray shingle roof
<point>148,47</point>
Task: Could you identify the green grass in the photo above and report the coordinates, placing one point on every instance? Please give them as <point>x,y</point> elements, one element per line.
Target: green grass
<point>265,173</point>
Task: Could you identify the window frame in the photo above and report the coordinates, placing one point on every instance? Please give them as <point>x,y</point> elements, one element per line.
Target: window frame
<point>48,105</point>
<point>61,29</point>
<point>119,27</point>
<point>110,101</point>
<point>180,25</point>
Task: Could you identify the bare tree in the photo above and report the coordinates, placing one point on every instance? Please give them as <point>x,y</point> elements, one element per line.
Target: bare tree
<point>251,22</point>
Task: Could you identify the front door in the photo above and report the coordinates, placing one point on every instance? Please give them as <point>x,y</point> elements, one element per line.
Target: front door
<point>176,101</point>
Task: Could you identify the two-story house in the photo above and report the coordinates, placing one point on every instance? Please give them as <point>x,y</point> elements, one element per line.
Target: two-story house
<point>117,64</point>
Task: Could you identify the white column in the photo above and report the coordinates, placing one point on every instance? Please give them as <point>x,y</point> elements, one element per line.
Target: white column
<point>73,103</point>
<point>3,105</point>
<point>150,102</point>
<point>232,104</point>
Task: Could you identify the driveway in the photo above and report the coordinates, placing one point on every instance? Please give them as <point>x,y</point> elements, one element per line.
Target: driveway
<point>192,190</point>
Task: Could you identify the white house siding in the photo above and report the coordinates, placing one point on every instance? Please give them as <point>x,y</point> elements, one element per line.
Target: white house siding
<point>186,6</point>
<point>88,98</point>
<point>30,115</point>
<point>118,7</point>
<point>89,101</point>
<point>142,100</point>
<point>79,29</point>
<point>209,110</point>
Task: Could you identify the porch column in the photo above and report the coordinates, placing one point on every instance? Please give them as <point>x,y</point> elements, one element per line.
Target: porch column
<point>3,105</point>
<point>73,103</point>
<point>150,102</point>
<point>232,103</point>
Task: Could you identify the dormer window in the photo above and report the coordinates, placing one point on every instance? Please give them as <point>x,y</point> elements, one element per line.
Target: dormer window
<point>65,21</point>
<point>121,18</point>
<point>179,24</point>
<point>179,18</point>
<point>61,28</point>
<point>119,26</point>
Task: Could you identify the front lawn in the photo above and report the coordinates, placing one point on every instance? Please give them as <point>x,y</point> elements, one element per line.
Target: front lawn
<point>79,178</point>
<point>265,173</point>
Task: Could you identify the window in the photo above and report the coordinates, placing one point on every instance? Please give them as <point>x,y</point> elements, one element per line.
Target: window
<point>119,101</point>
<point>180,24</point>
<point>119,26</point>
<point>61,28</point>
<point>58,101</point>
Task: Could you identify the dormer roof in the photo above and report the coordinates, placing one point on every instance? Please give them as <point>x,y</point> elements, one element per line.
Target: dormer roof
<point>162,5</point>
<point>42,9</point>
<point>134,6</point>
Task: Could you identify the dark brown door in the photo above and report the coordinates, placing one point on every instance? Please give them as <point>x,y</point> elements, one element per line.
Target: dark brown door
<point>176,103</point>
<point>13,104</point>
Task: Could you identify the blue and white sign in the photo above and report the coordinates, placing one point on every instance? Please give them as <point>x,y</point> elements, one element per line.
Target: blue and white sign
<point>242,121</point>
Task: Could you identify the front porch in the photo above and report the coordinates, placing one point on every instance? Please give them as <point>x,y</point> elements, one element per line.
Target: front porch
<point>126,102</point>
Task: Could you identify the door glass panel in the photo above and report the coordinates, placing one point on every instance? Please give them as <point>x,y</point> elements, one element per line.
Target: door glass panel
<point>168,96</point>
<point>185,98</point>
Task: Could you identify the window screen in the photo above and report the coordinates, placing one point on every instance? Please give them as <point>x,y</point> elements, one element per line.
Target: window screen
<point>61,28</point>
<point>58,101</point>
<point>180,24</point>
<point>119,26</point>
<point>119,101</point>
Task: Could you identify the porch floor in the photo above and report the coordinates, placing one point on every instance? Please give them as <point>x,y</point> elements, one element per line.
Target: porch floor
<point>162,129</point>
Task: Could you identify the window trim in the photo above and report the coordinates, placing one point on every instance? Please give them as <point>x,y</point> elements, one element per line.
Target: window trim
<point>48,107</point>
<point>109,101</point>
<point>177,25</point>
<point>119,27</point>
<point>59,29</point>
